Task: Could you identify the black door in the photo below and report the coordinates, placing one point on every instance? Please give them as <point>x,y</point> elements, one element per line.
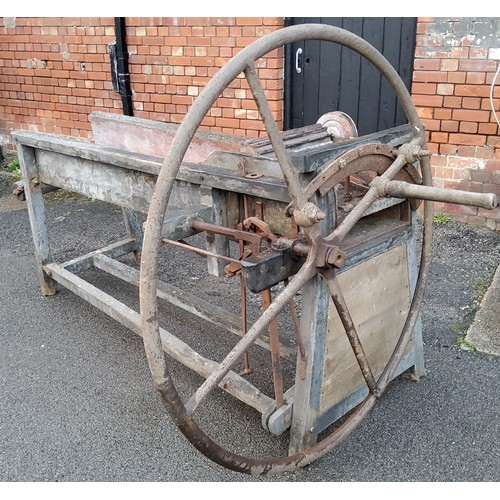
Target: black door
<point>323,76</point>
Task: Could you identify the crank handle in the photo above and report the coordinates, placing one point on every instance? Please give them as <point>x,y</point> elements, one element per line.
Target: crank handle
<point>401,189</point>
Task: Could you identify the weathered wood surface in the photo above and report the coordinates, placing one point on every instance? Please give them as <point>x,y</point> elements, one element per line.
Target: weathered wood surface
<point>115,250</point>
<point>311,159</point>
<point>310,135</point>
<point>313,327</point>
<point>116,176</point>
<point>378,296</point>
<point>232,382</point>
<point>36,211</point>
<point>177,224</point>
<point>151,137</point>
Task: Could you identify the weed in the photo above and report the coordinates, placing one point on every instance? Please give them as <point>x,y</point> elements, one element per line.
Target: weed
<point>460,331</point>
<point>13,165</point>
<point>441,218</point>
<point>14,168</point>
<point>480,286</point>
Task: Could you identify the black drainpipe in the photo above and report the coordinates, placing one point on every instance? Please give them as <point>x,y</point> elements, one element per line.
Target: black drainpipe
<point>121,65</point>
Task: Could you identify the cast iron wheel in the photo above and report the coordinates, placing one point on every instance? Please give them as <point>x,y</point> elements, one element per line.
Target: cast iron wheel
<point>307,217</point>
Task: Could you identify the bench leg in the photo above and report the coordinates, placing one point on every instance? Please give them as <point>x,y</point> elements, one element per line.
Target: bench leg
<point>134,230</point>
<point>36,212</point>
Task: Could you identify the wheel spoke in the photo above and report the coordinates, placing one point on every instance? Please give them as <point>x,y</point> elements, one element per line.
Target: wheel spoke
<point>298,281</point>
<point>291,177</point>
<point>345,316</point>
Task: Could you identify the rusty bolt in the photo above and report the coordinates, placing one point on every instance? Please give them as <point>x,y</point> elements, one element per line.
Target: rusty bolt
<point>334,257</point>
<point>309,215</point>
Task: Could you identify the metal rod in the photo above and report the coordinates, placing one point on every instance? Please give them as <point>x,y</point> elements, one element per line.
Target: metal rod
<point>197,250</point>
<point>350,329</point>
<point>244,322</point>
<point>290,175</point>
<point>298,336</point>
<point>307,271</point>
<point>401,189</point>
<point>274,343</point>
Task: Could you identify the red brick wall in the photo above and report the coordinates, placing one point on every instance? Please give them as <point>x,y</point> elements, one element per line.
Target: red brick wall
<point>455,62</point>
<point>55,71</point>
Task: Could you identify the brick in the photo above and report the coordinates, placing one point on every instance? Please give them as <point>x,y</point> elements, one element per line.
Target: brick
<point>468,127</point>
<point>445,89</point>
<point>471,102</point>
<point>472,90</point>
<point>424,88</point>
<point>249,21</point>
<point>481,176</point>
<point>471,115</point>
<point>468,151</point>
<point>475,78</point>
<point>427,64</point>
<point>429,76</point>
<point>425,112</point>
<point>449,126</point>
<point>477,65</point>
<point>493,166</point>
<point>441,137</point>
<point>468,139</point>
<point>427,100</point>
<point>452,102</point>
<point>442,113</point>
<point>443,173</point>
<point>488,128</point>
<point>486,104</point>
<point>448,65</point>
<point>459,52</point>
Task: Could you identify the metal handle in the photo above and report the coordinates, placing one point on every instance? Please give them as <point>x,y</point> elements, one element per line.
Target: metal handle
<point>400,189</point>
<point>298,69</point>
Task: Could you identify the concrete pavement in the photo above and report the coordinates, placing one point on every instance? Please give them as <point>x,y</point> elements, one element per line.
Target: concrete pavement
<point>78,403</point>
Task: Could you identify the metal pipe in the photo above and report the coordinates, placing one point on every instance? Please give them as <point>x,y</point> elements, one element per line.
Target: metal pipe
<point>401,189</point>
<point>122,63</point>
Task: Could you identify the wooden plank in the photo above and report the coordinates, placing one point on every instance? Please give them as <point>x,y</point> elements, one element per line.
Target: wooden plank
<point>177,224</point>
<point>115,250</point>
<point>187,301</point>
<point>102,181</point>
<point>378,296</point>
<point>36,211</point>
<point>313,159</point>
<point>89,151</point>
<point>313,328</point>
<point>134,229</point>
<point>352,400</point>
<point>217,243</point>
<point>232,383</point>
<point>94,170</point>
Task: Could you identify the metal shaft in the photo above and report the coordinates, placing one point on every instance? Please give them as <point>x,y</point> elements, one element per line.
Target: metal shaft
<point>401,189</point>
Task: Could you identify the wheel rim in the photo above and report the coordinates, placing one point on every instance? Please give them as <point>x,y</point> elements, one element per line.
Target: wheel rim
<point>151,244</point>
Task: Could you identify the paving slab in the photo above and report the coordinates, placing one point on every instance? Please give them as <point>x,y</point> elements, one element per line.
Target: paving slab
<point>484,333</point>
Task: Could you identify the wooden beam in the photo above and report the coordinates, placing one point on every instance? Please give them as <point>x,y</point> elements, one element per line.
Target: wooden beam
<point>186,301</point>
<point>232,383</point>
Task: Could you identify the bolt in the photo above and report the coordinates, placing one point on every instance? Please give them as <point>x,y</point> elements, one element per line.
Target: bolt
<point>335,257</point>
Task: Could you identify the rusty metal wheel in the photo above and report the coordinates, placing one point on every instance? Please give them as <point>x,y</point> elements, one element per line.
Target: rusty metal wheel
<point>323,256</point>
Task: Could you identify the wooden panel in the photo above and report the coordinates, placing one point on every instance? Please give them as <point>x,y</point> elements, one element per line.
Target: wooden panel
<point>378,295</point>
